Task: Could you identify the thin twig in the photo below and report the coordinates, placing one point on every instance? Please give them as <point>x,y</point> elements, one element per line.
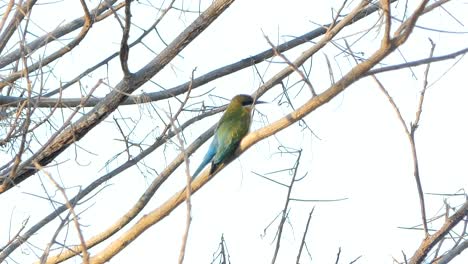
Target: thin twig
<point>285,209</point>
<point>6,14</point>
<point>296,69</point>
<point>338,256</point>
<point>332,24</point>
<point>7,182</point>
<point>414,126</point>
<point>431,241</point>
<point>22,10</point>
<point>188,218</point>
<point>210,76</point>
<point>304,236</point>
<point>72,211</point>
<point>356,259</point>
<point>112,101</point>
<point>12,77</point>
<point>124,49</point>
<point>55,34</point>
<point>166,135</point>
<point>46,252</point>
<point>410,133</point>
<point>355,74</point>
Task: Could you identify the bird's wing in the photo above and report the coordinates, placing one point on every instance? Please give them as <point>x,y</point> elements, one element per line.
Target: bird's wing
<point>229,135</point>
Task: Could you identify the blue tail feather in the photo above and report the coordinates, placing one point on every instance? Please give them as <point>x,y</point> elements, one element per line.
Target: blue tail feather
<point>208,157</point>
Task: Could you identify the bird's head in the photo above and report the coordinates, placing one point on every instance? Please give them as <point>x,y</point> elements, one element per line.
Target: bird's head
<point>245,100</point>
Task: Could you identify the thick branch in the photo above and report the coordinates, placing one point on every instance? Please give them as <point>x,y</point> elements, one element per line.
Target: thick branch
<point>22,11</point>
<point>197,82</point>
<point>430,241</point>
<point>165,209</point>
<point>132,213</point>
<point>88,22</point>
<point>126,86</point>
<point>55,34</point>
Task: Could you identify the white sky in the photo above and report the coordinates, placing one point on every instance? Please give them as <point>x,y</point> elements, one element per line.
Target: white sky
<point>362,153</point>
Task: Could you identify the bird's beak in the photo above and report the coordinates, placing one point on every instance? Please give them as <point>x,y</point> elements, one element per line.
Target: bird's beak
<point>260,102</point>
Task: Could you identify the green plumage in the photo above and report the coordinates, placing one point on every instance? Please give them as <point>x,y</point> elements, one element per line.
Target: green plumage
<point>232,127</point>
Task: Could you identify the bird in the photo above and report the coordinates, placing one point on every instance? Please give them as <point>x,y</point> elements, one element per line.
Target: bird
<point>231,128</point>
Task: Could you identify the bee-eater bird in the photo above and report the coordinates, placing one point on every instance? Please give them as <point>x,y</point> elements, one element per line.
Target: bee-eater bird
<point>231,128</point>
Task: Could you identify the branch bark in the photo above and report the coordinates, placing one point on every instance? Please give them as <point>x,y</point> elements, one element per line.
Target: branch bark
<point>356,73</point>
<point>54,35</point>
<point>197,82</point>
<point>431,241</point>
<point>82,126</point>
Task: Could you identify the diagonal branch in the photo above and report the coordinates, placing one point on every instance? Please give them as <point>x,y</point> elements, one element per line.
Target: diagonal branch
<point>88,22</point>
<point>72,212</point>
<point>304,236</point>
<point>55,34</point>
<point>431,241</point>
<point>132,213</point>
<point>199,81</point>
<point>284,213</point>
<point>126,86</point>
<point>19,15</point>
<point>167,207</point>
<point>124,50</point>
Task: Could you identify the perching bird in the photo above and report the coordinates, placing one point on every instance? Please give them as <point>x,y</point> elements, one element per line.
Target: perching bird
<point>231,128</point>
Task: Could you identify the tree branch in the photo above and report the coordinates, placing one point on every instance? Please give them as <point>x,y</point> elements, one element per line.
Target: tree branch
<point>197,82</point>
<point>126,86</point>
<point>55,34</point>
<point>431,241</point>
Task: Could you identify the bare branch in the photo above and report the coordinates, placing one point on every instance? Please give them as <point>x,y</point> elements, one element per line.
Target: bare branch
<point>124,50</point>
<point>304,236</point>
<point>197,82</point>
<point>301,74</point>
<point>338,256</point>
<point>452,55</point>
<point>72,212</point>
<point>431,241</point>
<point>189,179</point>
<point>25,103</point>
<point>446,258</point>
<point>57,54</point>
<point>156,215</point>
<point>55,34</point>
<point>286,205</point>
<point>8,181</point>
<point>410,133</point>
<point>388,20</point>
<point>21,11</point>
<point>126,86</point>
<point>145,197</point>
<point>6,14</point>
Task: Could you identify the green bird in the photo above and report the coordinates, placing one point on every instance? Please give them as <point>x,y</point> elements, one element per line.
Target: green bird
<point>231,128</point>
